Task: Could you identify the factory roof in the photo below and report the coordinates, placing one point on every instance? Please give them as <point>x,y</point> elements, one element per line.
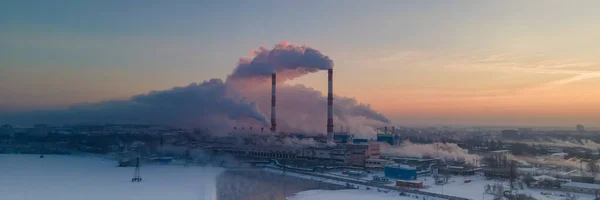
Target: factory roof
<point>400,166</point>
<point>582,185</point>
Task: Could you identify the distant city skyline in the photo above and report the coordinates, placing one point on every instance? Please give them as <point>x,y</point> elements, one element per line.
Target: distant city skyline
<point>530,63</point>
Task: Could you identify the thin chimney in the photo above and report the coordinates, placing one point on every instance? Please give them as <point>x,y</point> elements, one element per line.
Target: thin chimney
<point>330,106</point>
<point>274,84</point>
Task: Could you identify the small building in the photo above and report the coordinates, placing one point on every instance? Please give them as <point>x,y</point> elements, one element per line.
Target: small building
<point>373,150</point>
<point>341,138</point>
<point>510,134</point>
<point>403,172</point>
<point>164,160</point>
<point>376,164</point>
<point>125,163</point>
<point>581,187</point>
<point>409,184</point>
<point>387,138</point>
<point>360,141</point>
<point>357,174</point>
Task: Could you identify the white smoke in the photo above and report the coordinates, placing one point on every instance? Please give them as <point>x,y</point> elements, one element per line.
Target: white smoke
<point>284,141</point>
<point>572,163</point>
<point>570,143</point>
<point>447,151</point>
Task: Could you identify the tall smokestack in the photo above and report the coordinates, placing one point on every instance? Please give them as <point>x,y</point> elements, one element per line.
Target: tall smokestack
<point>274,84</point>
<point>330,106</point>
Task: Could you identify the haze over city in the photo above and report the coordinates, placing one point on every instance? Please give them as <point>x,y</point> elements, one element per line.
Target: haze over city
<point>418,63</point>
<point>300,100</point>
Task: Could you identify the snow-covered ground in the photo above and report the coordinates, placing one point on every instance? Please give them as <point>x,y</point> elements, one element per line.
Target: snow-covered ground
<point>456,187</point>
<point>28,177</point>
<point>475,189</point>
<point>347,195</point>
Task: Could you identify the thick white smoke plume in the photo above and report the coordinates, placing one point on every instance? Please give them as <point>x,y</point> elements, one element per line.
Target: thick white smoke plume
<point>447,151</point>
<point>289,61</point>
<point>572,163</point>
<point>571,143</point>
<point>286,141</point>
<point>242,100</point>
<point>209,104</point>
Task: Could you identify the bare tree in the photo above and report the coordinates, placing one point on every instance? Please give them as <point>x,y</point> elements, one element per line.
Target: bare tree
<point>570,196</point>
<point>447,177</point>
<point>513,174</point>
<point>499,190</point>
<point>593,167</point>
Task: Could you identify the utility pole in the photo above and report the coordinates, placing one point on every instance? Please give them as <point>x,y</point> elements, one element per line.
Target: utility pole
<point>136,173</point>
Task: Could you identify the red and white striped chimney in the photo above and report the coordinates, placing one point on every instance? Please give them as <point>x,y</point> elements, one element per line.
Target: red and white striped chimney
<point>330,106</point>
<point>274,84</point>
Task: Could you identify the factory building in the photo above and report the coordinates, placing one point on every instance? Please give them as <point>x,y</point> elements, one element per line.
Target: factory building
<point>341,154</point>
<point>257,152</point>
<point>377,164</point>
<point>342,138</point>
<point>387,138</point>
<point>403,172</point>
<point>360,141</point>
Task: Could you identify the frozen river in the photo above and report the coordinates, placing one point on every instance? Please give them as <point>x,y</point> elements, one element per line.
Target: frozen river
<point>28,177</point>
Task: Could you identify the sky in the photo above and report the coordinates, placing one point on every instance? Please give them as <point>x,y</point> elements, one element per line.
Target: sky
<point>418,62</point>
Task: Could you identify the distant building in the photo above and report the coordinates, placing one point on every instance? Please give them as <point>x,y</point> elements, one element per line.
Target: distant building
<point>40,130</point>
<point>360,141</point>
<point>580,128</point>
<point>377,164</point>
<point>510,134</point>
<point>342,138</point>
<point>7,130</point>
<point>373,150</point>
<point>525,130</point>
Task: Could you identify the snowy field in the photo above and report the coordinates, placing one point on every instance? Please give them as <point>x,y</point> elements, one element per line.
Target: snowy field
<point>475,189</point>
<point>28,177</point>
<point>456,187</point>
<point>347,195</point>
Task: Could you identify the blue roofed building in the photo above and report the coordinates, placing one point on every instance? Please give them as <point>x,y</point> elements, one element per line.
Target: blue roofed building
<point>403,172</point>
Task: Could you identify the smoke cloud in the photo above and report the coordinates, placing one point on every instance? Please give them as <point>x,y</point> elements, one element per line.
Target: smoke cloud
<point>289,61</point>
<point>208,104</point>
<point>241,100</point>
<point>447,151</point>
<point>571,143</point>
<point>572,163</point>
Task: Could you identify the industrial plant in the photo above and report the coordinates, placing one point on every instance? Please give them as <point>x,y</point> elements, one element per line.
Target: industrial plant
<point>411,161</point>
<point>418,162</point>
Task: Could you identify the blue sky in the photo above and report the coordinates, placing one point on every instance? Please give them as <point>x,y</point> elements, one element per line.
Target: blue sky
<point>55,53</point>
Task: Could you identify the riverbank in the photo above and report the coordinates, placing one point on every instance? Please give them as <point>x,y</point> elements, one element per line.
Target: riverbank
<point>257,184</point>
